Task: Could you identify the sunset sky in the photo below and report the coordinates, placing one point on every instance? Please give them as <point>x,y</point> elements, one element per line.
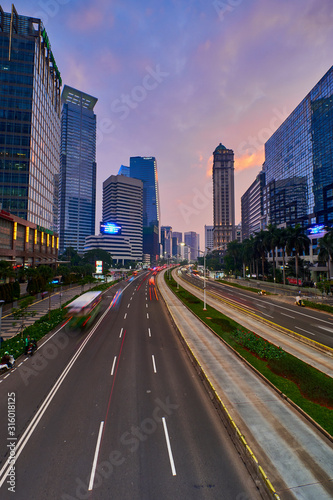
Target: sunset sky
<point>174,78</point>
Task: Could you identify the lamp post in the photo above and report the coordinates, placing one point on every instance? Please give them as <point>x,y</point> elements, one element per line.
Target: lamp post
<point>1,304</point>
<point>204,285</point>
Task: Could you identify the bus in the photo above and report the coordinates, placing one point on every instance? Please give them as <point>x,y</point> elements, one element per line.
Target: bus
<point>82,311</point>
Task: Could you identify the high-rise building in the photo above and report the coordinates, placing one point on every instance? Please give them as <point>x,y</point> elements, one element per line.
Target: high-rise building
<point>252,208</point>
<point>223,197</point>
<point>145,169</point>
<point>124,171</point>
<point>192,241</point>
<point>209,237</point>
<point>299,162</point>
<point>121,228</point>
<point>77,187</point>
<point>166,241</point>
<point>30,85</point>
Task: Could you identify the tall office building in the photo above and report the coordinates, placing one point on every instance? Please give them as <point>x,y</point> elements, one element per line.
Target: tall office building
<point>209,237</point>
<point>177,239</point>
<point>223,197</point>
<point>145,169</point>
<point>252,208</point>
<point>299,162</point>
<point>192,241</point>
<point>124,171</point>
<point>29,121</point>
<point>121,228</point>
<point>166,241</point>
<point>77,187</point>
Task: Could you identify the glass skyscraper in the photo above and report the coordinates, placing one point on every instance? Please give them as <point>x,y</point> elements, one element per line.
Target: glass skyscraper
<point>145,169</point>
<point>77,187</point>
<point>299,162</point>
<point>29,121</point>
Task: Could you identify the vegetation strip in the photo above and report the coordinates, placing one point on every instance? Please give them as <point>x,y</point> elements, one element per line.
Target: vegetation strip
<point>307,388</point>
<point>241,438</point>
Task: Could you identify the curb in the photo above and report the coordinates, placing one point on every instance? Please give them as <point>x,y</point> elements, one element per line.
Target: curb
<point>256,471</point>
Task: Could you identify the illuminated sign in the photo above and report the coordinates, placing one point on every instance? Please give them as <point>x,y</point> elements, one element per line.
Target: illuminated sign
<point>316,229</point>
<point>99,266</point>
<point>110,228</point>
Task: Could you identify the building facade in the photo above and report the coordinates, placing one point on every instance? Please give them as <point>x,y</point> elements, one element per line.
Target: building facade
<point>223,197</point>
<point>166,241</point>
<point>209,237</point>
<point>252,207</point>
<point>30,110</point>
<point>77,186</point>
<point>121,229</point>
<point>25,244</point>
<point>299,162</point>
<point>145,169</point>
<point>192,242</point>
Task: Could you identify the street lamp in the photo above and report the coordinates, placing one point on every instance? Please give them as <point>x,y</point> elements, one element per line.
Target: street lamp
<point>204,285</point>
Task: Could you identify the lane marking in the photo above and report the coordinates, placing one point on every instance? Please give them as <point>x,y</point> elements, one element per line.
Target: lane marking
<point>125,316</point>
<point>121,332</point>
<point>325,328</point>
<point>146,305</point>
<point>113,365</point>
<point>172,463</point>
<point>265,314</point>
<point>93,470</point>
<point>260,305</point>
<point>289,315</point>
<point>128,305</point>
<point>154,365</point>
<point>306,331</point>
<point>149,333</point>
<point>147,316</point>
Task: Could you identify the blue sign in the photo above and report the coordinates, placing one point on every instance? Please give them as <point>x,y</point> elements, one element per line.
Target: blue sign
<point>316,229</point>
<point>110,228</point>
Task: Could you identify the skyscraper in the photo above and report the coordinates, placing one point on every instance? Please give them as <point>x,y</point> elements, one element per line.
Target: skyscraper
<point>299,162</point>
<point>192,241</point>
<point>166,239</point>
<point>209,237</point>
<point>145,169</point>
<point>29,121</point>
<point>77,187</point>
<point>223,197</point>
<point>121,228</point>
<point>252,207</point>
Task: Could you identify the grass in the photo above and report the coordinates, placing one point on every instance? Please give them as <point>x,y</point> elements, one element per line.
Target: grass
<point>307,387</point>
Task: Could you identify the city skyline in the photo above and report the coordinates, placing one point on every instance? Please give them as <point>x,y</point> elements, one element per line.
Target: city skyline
<point>180,79</point>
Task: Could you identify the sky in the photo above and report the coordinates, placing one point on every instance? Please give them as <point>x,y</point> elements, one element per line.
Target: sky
<point>174,78</point>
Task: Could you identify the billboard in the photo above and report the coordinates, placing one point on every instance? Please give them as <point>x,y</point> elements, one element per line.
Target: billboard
<point>99,266</point>
<point>110,228</point>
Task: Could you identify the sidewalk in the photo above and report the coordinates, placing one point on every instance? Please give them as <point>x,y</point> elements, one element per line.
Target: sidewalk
<point>272,437</point>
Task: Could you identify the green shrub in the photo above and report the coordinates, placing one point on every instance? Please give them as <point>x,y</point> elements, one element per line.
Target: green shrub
<point>258,345</point>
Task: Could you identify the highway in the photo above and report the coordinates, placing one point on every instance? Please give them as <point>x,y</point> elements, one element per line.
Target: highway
<point>117,412</point>
<point>315,325</point>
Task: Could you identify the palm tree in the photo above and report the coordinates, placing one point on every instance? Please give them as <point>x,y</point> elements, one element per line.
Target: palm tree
<point>326,250</point>
<point>298,242</point>
<point>281,243</point>
<point>271,240</point>
<point>234,250</point>
<point>260,248</point>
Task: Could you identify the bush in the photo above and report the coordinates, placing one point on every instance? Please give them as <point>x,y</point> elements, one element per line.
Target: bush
<point>258,345</point>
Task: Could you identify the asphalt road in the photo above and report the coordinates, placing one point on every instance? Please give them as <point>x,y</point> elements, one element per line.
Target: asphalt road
<point>315,325</point>
<point>117,412</point>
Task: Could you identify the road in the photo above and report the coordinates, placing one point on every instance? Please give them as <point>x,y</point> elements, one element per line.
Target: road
<point>312,324</point>
<point>118,412</point>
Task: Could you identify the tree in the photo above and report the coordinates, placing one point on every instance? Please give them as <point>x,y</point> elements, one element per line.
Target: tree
<point>6,270</point>
<point>271,240</point>
<point>98,254</point>
<point>260,248</point>
<point>297,242</point>
<point>326,250</point>
<point>22,312</point>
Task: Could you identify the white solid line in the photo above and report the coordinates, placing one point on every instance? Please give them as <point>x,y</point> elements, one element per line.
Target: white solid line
<point>169,447</point>
<point>154,366</point>
<point>125,316</point>
<point>289,316</point>
<point>93,470</point>
<point>306,331</point>
<point>121,332</point>
<point>149,333</point>
<point>114,362</point>
<point>147,316</point>
<point>325,328</point>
